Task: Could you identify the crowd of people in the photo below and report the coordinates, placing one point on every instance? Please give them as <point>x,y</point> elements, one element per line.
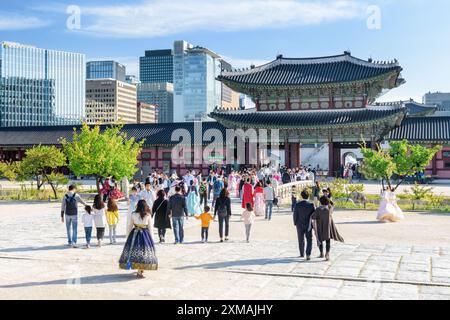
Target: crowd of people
<point>164,202</point>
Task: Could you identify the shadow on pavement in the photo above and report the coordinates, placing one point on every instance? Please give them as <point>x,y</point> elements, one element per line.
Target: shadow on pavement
<point>100,279</point>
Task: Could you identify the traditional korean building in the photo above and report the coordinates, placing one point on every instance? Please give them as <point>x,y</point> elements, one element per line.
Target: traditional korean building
<point>317,100</point>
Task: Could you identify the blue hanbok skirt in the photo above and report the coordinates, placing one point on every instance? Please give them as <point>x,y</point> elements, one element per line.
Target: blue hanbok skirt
<point>139,251</point>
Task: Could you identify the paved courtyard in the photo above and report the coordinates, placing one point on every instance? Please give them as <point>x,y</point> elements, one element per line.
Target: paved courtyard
<point>409,260</point>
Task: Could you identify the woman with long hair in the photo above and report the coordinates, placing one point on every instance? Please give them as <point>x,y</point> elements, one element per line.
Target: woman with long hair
<point>223,210</point>
<point>139,251</point>
<point>159,213</point>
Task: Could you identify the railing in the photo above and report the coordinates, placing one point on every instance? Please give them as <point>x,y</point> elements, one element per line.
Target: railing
<point>284,191</point>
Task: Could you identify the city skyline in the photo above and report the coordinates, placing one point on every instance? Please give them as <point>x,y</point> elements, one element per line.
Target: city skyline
<point>334,26</point>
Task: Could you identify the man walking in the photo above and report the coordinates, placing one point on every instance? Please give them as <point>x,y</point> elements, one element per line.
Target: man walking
<point>269,197</point>
<point>302,220</point>
<point>69,214</point>
<point>177,209</point>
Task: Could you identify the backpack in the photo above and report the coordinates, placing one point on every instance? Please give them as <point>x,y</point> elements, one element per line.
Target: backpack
<point>202,188</point>
<point>222,210</point>
<point>71,205</point>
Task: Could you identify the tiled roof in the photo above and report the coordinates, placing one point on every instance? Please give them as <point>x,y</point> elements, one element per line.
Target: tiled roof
<point>154,134</point>
<point>413,109</point>
<point>325,70</point>
<point>423,129</point>
<point>303,119</point>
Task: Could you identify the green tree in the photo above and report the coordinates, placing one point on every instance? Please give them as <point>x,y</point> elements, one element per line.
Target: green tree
<point>41,163</point>
<point>93,152</point>
<point>399,161</point>
<point>9,170</point>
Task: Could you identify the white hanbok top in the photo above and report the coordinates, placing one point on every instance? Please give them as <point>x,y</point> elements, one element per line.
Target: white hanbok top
<point>137,220</point>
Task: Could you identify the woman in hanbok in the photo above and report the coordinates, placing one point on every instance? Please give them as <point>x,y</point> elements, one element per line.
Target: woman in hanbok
<point>389,210</point>
<point>260,206</point>
<point>193,200</point>
<point>247,194</point>
<point>139,250</point>
<point>232,182</point>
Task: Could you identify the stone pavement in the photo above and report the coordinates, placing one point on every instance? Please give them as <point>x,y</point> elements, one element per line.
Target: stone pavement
<point>34,263</point>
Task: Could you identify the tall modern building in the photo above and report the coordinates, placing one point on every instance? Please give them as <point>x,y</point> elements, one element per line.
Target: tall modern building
<point>230,98</point>
<point>110,101</point>
<point>160,94</point>
<point>147,113</point>
<point>196,90</point>
<point>40,87</point>
<point>156,66</point>
<point>105,70</point>
<point>439,99</point>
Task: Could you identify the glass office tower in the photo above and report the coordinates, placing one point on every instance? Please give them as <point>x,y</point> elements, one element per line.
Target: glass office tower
<point>40,87</point>
<point>196,90</point>
<point>105,70</point>
<point>156,66</point>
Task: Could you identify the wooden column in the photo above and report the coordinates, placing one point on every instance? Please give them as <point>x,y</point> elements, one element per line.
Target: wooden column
<point>434,165</point>
<point>287,157</point>
<point>331,168</point>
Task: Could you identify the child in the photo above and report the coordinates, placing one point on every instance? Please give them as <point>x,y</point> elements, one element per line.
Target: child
<point>206,218</point>
<point>132,203</point>
<point>88,220</point>
<point>99,218</point>
<point>112,217</point>
<point>249,217</point>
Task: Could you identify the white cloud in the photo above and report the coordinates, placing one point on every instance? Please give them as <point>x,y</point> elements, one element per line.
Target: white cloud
<point>9,21</point>
<point>162,17</point>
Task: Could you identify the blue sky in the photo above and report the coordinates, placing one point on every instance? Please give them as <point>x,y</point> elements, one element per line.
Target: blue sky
<point>416,32</point>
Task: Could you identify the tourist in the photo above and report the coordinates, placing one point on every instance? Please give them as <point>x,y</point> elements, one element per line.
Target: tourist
<point>293,200</point>
<point>206,219</point>
<point>269,197</point>
<point>159,214</point>
<point>133,199</point>
<point>147,194</point>
<point>258,194</point>
<point>192,200</point>
<point>217,189</point>
<point>247,194</point>
<point>99,218</point>
<point>324,226</point>
<point>302,220</point>
<point>88,220</point>
<point>249,217</point>
<point>69,214</point>
<point>112,217</point>
<point>223,211</point>
<point>177,210</point>
<point>203,192</point>
<point>389,210</point>
<point>316,193</point>
<point>139,250</point>
<point>211,179</point>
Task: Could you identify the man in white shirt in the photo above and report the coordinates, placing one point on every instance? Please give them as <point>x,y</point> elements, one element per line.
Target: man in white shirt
<point>148,195</point>
<point>269,196</point>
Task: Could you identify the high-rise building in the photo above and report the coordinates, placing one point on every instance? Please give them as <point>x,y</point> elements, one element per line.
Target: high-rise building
<point>132,79</point>
<point>40,87</point>
<point>196,90</point>
<point>230,98</point>
<point>160,94</point>
<point>105,70</point>
<point>439,99</point>
<point>147,113</point>
<point>110,101</point>
<point>156,66</point>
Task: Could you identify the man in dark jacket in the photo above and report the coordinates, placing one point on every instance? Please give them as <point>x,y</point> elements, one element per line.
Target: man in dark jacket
<point>177,210</point>
<point>302,220</point>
